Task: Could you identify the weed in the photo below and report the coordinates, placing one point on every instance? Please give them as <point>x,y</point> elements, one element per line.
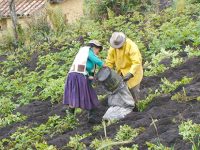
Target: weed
<point>99,143</point>
<point>75,143</point>
<point>168,86</point>
<point>127,133</point>
<point>165,88</point>
<point>191,132</point>
<point>6,106</point>
<point>157,146</point>
<point>133,147</point>
<point>182,96</point>
<point>11,118</point>
<point>29,138</point>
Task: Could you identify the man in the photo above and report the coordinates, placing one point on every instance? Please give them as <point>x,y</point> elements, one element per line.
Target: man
<point>124,56</point>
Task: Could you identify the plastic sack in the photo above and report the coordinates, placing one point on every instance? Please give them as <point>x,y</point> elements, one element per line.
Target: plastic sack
<point>121,103</point>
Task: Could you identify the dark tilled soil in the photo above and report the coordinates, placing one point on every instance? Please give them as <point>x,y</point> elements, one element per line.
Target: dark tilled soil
<point>37,113</point>
<point>3,58</point>
<point>166,114</point>
<point>189,69</point>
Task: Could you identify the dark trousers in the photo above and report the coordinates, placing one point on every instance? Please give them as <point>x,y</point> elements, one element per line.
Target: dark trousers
<point>135,91</point>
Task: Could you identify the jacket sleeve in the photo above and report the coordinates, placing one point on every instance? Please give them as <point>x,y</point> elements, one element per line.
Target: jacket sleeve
<point>110,59</point>
<point>92,57</point>
<point>136,59</point>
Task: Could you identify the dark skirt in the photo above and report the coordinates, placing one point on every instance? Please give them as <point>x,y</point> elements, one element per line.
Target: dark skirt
<point>79,93</point>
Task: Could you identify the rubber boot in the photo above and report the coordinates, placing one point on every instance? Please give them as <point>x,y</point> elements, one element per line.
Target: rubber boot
<point>71,110</point>
<point>92,117</point>
<point>64,108</point>
<point>135,109</point>
<point>68,109</point>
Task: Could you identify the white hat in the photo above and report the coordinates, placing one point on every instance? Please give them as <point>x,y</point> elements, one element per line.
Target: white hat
<point>117,39</point>
<point>95,42</point>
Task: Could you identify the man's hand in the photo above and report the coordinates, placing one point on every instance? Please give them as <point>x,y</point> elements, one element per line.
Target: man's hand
<point>104,66</point>
<point>127,77</point>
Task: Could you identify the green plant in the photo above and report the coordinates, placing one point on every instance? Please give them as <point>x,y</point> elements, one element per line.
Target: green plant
<point>56,124</point>
<point>29,138</point>
<point>157,146</point>
<point>11,118</point>
<point>142,104</point>
<point>154,67</point>
<point>165,88</point>
<point>168,86</point>
<point>127,133</point>
<point>182,96</point>
<point>75,143</point>
<point>192,51</point>
<point>97,127</point>
<point>191,132</point>
<point>54,90</point>
<point>44,146</point>
<point>134,147</point>
<point>57,18</point>
<point>198,98</point>
<point>96,144</point>
<point>100,9</point>
<point>6,106</point>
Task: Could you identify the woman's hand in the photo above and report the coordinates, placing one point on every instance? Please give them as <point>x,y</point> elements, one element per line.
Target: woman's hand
<point>90,77</point>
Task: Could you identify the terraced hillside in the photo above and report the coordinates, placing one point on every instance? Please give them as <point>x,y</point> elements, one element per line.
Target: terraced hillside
<point>32,83</point>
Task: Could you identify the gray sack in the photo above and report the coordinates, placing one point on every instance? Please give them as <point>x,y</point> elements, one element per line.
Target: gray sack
<point>121,103</point>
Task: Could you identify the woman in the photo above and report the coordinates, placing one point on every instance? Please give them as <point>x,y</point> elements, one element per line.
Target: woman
<point>78,91</point>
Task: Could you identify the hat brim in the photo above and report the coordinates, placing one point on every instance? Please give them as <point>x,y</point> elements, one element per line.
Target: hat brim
<point>113,45</point>
<point>116,46</point>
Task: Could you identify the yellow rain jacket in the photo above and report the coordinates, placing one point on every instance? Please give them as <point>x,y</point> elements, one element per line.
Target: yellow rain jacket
<point>126,60</point>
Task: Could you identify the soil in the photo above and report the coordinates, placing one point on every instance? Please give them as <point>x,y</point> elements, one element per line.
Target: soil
<point>190,69</point>
<point>166,114</point>
<point>37,113</point>
<point>3,58</point>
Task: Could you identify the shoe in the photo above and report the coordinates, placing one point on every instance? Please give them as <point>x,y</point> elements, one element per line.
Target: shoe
<point>68,109</point>
<point>92,117</point>
<point>64,108</point>
<point>135,109</point>
<point>71,110</point>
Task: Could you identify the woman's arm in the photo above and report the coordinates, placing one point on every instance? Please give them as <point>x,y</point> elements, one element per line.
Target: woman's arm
<point>93,58</point>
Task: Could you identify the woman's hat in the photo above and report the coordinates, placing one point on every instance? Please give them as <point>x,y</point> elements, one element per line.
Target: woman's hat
<point>96,43</point>
<point>117,39</point>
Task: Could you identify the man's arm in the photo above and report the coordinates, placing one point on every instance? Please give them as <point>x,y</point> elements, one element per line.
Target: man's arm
<point>110,58</point>
<point>136,59</point>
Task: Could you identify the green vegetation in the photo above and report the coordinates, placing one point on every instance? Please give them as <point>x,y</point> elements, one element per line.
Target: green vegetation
<point>165,88</point>
<point>6,113</point>
<point>30,138</point>
<point>168,86</point>
<point>158,146</point>
<point>134,147</point>
<point>96,144</point>
<point>183,97</point>
<point>191,132</point>
<point>75,143</point>
<point>37,68</point>
<point>127,133</point>
<point>11,118</point>
<point>124,135</point>
<point>154,67</point>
